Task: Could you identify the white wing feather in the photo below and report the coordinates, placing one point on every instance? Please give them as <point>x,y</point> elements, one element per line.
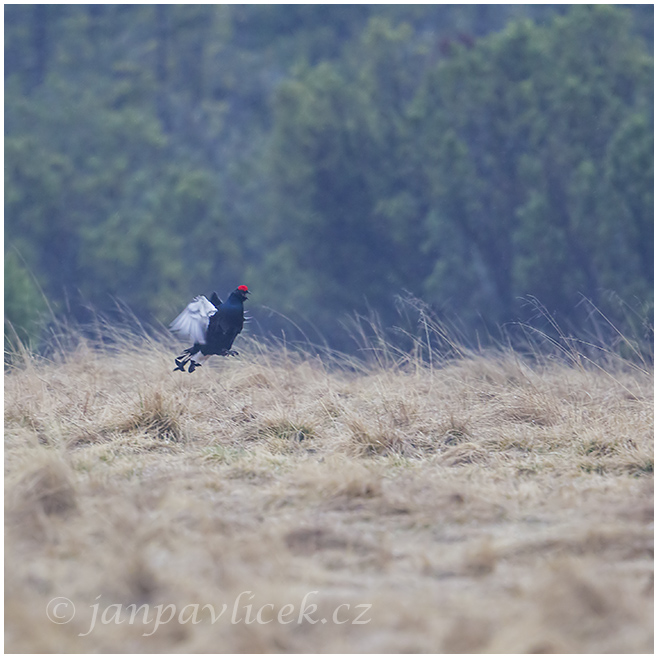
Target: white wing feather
<point>191,324</point>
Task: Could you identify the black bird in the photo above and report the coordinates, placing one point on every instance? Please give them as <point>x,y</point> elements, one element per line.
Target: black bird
<point>210,326</point>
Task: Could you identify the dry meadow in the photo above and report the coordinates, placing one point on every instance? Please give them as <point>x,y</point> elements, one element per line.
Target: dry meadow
<point>283,502</point>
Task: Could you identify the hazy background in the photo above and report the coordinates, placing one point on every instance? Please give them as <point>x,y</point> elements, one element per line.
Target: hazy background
<point>331,158</point>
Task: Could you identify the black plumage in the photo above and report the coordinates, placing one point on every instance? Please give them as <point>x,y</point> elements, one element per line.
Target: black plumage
<point>211,326</point>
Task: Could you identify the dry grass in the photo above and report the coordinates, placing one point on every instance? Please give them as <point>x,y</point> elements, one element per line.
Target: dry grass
<point>481,505</point>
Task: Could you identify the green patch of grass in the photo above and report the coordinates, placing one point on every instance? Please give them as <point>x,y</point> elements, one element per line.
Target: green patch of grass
<point>598,448</point>
<point>222,454</point>
<point>641,468</point>
<point>593,468</point>
<point>287,431</point>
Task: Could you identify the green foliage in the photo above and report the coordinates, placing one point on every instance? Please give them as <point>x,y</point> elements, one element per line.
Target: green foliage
<point>476,178</point>
<point>523,129</point>
<point>338,138</point>
<point>24,303</point>
<point>332,157</point>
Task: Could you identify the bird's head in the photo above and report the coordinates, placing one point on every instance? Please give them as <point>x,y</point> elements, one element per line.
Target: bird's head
<point>242,292</point>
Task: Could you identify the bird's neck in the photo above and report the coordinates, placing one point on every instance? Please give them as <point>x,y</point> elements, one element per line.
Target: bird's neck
<point>234,299</point>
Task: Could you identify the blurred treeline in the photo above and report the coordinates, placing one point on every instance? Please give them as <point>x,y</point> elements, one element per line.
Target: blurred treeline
<point>330,157</point>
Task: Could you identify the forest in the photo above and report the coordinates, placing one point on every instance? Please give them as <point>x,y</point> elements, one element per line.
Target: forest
<point>443,410</point>
<point>490,161</point>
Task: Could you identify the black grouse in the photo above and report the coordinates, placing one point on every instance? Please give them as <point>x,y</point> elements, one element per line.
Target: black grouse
<point>210,326</point>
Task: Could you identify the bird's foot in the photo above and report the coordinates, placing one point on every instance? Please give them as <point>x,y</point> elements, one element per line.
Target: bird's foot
<point>180,365</point>
<point>193,365</point>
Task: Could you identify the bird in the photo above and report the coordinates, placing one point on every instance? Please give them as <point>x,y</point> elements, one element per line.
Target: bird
<point>211,326</point>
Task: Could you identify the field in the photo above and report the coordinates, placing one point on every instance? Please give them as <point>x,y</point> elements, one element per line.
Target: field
<point>280,502</point>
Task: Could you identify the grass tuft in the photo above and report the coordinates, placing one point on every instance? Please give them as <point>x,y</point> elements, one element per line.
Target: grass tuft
<point>481,501</point>
<point>156,415</point>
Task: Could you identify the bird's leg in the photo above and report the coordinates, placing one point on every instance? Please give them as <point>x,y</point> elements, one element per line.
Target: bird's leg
<point>182,361</point>
<point>194,363</point>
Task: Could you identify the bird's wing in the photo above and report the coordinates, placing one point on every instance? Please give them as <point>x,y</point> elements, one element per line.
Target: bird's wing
<point>191,324</point>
